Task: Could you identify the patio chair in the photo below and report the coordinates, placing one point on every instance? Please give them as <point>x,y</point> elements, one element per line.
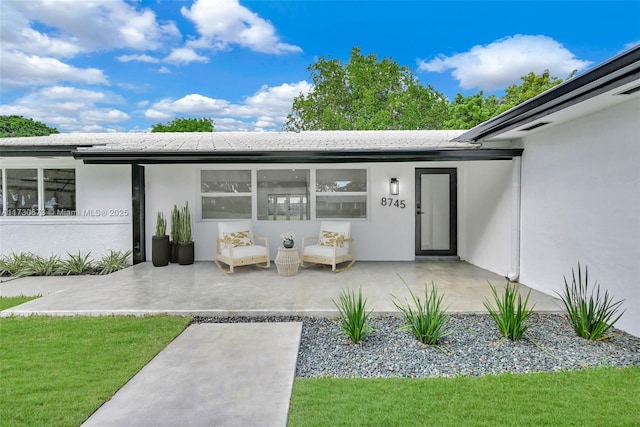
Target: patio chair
<point>235,246</point>
<point>334,245</point>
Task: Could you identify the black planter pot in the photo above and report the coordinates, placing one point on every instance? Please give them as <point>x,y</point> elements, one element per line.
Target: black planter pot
<point>173,255</point>
<point>185,253</point>
<point>160,250</point>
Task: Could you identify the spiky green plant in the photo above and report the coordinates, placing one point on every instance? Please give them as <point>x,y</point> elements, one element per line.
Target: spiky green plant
<point>510,317</point>
<point>16,264</point>
<point>427,320</point>
<point>185,224</point>
<point>354,318</point>
<point>591,314</point>
<point>113,261</point>
<point>175,224</point>
<point>77,264</point>
<point>161,224</point>
<point>45,266</point>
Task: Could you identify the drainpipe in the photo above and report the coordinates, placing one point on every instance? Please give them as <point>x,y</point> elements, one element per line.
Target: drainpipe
<point>516,192</point>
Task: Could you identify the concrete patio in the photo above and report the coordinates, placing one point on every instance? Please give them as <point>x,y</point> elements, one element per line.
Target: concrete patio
<point>202,289</point>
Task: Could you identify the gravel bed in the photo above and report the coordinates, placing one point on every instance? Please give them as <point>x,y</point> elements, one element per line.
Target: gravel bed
<point>474,348</point>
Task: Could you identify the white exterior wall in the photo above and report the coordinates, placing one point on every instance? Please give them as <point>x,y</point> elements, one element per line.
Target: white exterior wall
<point>103,221</point>
<point>581,203</point>
<point>487,215</point>
<point>387,235</point>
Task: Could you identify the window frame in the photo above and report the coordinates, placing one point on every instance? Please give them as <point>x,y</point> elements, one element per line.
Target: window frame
<point>312,190</point>
<point>40,183</point>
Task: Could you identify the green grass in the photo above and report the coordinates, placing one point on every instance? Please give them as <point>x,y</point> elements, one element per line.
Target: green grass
<point>58,371</point>
<point>594,397</point>
<point>8,302</point>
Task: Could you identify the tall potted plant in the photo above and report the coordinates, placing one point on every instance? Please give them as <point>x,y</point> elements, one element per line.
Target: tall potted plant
<point>160,243</point>
<point>185,243</point>
<point>175,232</point>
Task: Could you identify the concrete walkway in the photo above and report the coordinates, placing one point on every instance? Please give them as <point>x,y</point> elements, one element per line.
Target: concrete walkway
<point>212,375</point>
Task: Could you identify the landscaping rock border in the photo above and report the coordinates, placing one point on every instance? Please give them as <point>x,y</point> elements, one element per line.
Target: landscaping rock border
<point>475,347</point>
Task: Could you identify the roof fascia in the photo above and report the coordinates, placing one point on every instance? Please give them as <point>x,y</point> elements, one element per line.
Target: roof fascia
<point>37,151</point>
<point>617,71</point>
<point>288,157</point>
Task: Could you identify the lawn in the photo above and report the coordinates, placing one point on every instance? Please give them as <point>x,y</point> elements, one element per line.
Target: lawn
<point>8,302</point>
<point>594,397</point>
<point>56,371</point>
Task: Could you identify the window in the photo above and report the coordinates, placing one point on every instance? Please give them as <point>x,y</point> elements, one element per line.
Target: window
<point>38,192</point>
<point>341,193</point>
<point>283,194</point>
<point>225,194</point>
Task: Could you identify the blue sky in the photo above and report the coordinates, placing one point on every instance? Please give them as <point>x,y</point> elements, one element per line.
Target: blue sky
<point>121,66</point>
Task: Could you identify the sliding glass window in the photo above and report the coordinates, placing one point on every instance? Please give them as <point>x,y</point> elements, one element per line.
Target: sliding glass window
<point>226,194</point>
<point>341,193</point>
<point>283,194</point>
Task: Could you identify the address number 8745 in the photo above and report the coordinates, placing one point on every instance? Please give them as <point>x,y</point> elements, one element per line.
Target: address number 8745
<point>393,203</point>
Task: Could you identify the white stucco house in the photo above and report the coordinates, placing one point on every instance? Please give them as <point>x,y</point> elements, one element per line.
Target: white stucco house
<point>529,194</point>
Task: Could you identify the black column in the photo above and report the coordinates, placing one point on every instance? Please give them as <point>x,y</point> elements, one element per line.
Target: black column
<point>137,210</point>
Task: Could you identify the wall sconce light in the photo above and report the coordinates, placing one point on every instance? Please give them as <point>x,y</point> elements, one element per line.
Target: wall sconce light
<point>394,187</point>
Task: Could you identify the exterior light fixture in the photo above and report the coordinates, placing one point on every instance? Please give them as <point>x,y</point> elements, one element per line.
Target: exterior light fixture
<point>394,187</point>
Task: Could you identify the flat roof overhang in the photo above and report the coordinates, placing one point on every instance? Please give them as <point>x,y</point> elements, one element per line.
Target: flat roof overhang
<point>288,157</point>
<point>38,151</point>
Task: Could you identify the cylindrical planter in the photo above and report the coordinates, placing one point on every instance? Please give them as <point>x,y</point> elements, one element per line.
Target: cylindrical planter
<point>185,253</point>
<point>173,256</point>
<point>160,250</point>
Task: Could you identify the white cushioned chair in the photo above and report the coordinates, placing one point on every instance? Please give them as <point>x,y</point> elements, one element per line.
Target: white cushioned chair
<point>333,246</point>
<point>235,246</point>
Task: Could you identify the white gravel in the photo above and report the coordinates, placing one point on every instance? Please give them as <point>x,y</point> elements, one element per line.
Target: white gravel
<point>474,348</point>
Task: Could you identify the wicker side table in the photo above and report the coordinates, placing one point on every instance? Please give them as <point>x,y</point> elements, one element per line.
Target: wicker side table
<point>287,261</point>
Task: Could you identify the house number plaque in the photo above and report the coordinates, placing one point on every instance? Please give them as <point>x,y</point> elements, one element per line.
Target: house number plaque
<point>393,203</point>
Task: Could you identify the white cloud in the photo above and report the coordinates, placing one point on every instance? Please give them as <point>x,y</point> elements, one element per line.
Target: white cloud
<point>18,70</point>
<point>225,22</point>
<point>98,24</point>
<point>33,57</point>
<point>184,55</point>
<point>267,109</point>
<point>164,70</point>
<point>70,109</point>
<point>138,58</point>
<point>502,63</point>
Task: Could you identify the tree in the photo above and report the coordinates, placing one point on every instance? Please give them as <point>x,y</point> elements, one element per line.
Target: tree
<point>365,94</point>
<point>532,85</point>
<point>467,112</point>
<point>185,125</point>
<point>12,126</point>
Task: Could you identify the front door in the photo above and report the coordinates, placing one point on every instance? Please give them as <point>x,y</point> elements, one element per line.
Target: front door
<point>436,212</point>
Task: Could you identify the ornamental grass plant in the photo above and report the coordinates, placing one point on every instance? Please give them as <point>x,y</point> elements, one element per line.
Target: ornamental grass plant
<point>591,314</point>
<point>511,311</point>
<point>354,318</point>
<point>427,320</point>
<point>78,264</point>
<point>113,261</point>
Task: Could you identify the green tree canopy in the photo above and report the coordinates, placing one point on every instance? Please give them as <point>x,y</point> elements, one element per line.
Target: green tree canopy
<point>185,125</point>
<point>365,94</point>
<point>11,126</point>
<point>467,112</point>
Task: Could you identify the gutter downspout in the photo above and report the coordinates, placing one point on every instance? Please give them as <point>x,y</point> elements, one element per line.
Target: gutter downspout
<point>516,193</point>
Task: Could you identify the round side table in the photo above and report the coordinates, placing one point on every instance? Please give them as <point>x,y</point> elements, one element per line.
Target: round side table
<point>287,261</point>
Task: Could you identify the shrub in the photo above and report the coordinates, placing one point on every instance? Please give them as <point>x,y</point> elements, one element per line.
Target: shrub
<point>161,224</point>
<point>77,264</point>
<point>592,315</point>
<point>16,264</point>
<point>113,261</point>
<point>426,321</point>
<point>354,318</point>
<point>42,266</point>
<point>509,316</point>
